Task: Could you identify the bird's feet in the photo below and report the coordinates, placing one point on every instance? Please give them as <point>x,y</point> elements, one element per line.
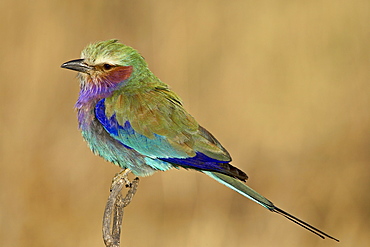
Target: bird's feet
<point>121,177</point>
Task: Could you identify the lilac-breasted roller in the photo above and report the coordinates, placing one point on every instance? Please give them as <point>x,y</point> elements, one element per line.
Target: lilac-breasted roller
<point>131,118</point>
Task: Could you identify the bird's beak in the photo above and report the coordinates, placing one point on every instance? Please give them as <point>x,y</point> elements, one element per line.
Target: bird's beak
<point>78,65</point>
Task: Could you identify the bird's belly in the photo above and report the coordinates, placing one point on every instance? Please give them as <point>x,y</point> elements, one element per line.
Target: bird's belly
<point>102,144</point>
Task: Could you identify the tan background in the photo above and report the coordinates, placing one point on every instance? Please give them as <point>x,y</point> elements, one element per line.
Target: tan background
<point>284,85</point>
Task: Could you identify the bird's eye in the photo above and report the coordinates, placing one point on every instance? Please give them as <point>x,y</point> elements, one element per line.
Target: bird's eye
<point>107,66</point>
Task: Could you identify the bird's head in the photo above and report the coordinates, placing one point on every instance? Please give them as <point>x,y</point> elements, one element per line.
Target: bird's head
<point>107,65</point>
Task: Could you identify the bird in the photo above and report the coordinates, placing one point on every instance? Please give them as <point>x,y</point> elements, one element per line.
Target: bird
<point>132,119</point>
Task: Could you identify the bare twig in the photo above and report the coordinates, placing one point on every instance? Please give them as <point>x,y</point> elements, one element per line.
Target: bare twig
<point>116,205</point>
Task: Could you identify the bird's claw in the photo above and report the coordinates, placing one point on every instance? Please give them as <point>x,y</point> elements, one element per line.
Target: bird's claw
<point>121,177</point>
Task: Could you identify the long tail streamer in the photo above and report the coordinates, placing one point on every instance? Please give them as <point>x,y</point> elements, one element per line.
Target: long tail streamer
<point>248,192</point>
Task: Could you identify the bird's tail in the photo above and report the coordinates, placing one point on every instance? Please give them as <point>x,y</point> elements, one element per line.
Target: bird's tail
<point>248,192</point>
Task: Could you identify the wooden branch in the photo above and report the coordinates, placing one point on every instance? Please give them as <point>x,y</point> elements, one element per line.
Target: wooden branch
<point>115,205</point>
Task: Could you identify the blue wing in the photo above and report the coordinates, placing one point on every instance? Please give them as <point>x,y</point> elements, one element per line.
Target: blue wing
<point>160,149</point>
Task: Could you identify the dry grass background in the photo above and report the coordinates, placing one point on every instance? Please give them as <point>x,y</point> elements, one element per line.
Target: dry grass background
<point>284,85</point>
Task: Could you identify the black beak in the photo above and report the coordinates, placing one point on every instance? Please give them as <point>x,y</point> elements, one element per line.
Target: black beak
<point>78,65</point>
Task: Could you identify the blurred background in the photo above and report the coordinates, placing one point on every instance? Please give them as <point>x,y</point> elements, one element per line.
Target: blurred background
<point>283,85</point>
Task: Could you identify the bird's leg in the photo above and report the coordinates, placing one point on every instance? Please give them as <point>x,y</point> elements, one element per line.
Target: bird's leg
<point>115,205</point>
<point>121,177</point>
